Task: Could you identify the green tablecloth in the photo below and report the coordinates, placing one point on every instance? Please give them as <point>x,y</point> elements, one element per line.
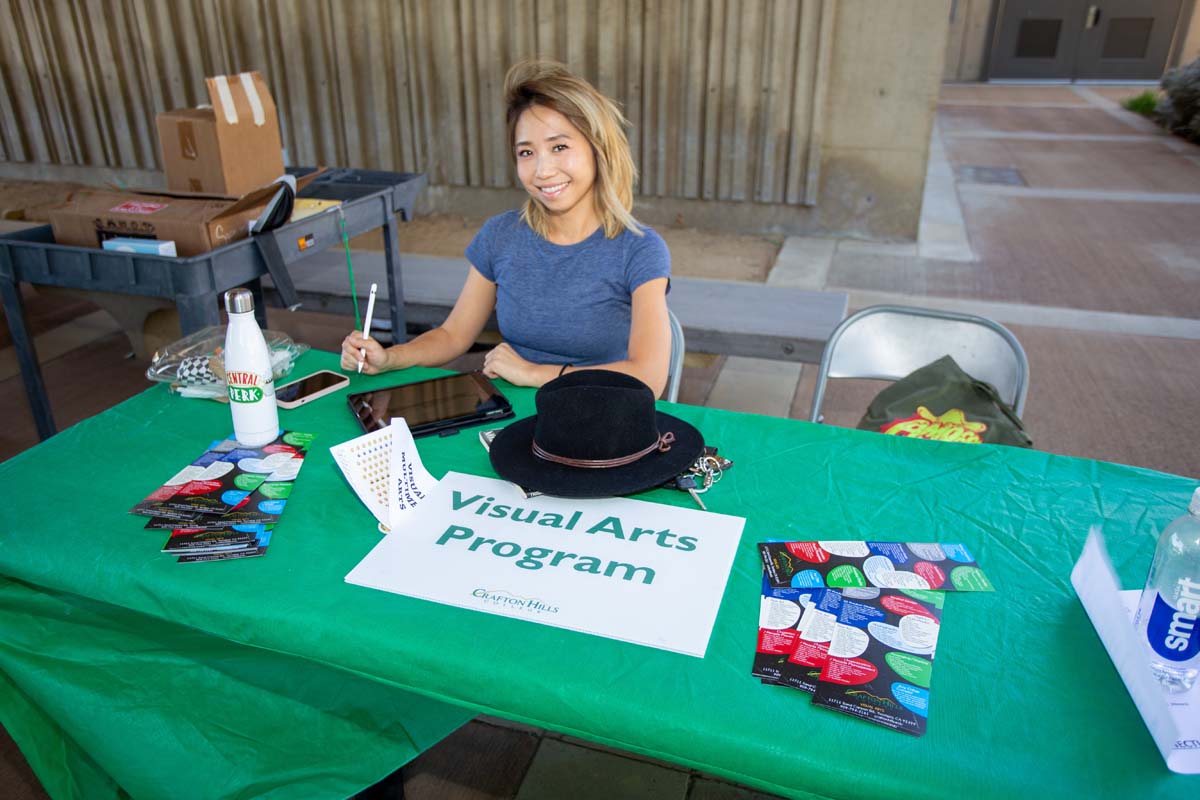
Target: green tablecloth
<point>123,670</point>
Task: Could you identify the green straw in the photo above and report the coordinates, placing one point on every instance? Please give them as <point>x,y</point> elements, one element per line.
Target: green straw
<point>350,269</point>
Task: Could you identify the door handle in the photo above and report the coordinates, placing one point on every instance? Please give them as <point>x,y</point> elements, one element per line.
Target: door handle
<point>1093,16</point>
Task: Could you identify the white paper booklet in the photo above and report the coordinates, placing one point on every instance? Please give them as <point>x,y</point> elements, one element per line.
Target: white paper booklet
<point>640,572</point>
<point>1173,719</point>
<point>409,482</point>
<point>368,463</point>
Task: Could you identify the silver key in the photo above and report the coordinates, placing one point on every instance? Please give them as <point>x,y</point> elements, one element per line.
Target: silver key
<point>696,496</point>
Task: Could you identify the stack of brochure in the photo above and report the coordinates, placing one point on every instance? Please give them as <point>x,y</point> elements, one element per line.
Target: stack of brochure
<point>225,504</point>
<point>855,623</point>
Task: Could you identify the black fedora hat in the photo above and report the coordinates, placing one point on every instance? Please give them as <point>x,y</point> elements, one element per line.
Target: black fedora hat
<point>596,434</point>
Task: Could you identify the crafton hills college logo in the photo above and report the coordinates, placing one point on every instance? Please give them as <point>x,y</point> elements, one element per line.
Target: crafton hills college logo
<point>505,599</point>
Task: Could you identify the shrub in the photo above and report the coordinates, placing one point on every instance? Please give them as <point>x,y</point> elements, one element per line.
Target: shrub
<point>1179,108</point>
<point>1143,103</point>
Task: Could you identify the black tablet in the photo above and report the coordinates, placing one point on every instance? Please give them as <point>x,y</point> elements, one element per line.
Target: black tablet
<point>434,406</point>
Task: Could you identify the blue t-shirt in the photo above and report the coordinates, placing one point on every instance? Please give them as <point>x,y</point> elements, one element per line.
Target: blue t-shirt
<point>566,304</point>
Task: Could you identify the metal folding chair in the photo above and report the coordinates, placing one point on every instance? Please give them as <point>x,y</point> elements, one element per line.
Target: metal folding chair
<point>678,348</point>
<point>889,342</point>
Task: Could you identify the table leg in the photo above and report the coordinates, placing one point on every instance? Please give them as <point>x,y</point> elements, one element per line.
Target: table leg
<point>31,372</point>
<point>391,252</point>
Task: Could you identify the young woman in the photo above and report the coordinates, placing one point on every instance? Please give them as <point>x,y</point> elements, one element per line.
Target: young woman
<point>574,280</point>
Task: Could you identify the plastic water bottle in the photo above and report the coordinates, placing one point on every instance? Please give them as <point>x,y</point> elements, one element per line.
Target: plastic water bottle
<point>248,373</point>
<point>1168,616</point>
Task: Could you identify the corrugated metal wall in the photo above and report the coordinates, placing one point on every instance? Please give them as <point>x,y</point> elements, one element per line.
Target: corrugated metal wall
<point>721,93</point>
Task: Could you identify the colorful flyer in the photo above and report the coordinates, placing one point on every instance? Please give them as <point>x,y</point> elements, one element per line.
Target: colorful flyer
<point>261,506</point>
<point>198,470</point>
<point>240,471</point>
<point>779,614</point>
<point>224,477</point>
<point>251,484</point>
<point>794,628</point>
<point>256,548</point>
<point>802,668</point>
<point>881,658</point>
<point>193,540</point>
<point>883,565</point>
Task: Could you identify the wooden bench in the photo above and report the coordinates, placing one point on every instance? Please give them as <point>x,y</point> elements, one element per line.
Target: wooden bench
<point>725,317</point>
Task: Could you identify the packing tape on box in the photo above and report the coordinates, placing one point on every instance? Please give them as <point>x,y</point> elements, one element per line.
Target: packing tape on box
<point>256,106</point>
<point>251,90</point>
<point>226,98</point>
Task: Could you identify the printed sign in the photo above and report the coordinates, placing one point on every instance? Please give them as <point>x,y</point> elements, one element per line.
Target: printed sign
<point>625,569</point>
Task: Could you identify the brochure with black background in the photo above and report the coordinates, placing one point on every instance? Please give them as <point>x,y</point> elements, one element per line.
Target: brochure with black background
<point>863,564</point>
<point>190,540</point>
<point>223,476</point>
<point>254,485</point>
<point>779,615</point>
<point>256,548</point>
<point>881,659</point>
<point>795,626</point>
<point>152,505</point>
<point>802,668</point>
<point>247,470</point>
<point>262,506</point>
<point>863,650</point>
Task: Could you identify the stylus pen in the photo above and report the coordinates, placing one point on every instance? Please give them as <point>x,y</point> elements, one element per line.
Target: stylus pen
<point>362,352</point>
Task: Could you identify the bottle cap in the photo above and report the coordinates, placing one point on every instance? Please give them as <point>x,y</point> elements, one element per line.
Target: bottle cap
<point>239,301</point>
<point>1194,506</point>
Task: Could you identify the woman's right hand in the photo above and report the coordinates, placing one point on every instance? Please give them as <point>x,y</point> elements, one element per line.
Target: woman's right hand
<point>376,360</point>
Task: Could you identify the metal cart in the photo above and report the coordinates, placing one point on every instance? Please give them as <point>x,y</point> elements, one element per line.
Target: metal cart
<point>370,200</point>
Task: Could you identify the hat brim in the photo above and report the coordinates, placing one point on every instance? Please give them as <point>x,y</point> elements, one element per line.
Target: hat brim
<point>512,457</point>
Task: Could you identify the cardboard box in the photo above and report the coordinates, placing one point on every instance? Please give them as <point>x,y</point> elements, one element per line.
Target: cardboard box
<point>228,149</point>
<point>195,224</point>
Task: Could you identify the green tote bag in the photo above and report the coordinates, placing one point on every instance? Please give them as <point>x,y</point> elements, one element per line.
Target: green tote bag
<point>939,401</point>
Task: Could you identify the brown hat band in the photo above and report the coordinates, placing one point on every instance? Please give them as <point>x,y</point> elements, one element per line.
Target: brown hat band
<point>662,445</point>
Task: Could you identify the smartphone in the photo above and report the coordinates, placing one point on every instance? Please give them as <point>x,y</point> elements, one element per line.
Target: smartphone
<point>309,388</point>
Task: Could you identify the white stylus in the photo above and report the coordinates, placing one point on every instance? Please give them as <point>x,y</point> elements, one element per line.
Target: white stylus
<point>362,351</point>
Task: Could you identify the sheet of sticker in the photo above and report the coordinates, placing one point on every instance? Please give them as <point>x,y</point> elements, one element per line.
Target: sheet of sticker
<point>863,650</point>
<point>385,470</point>
<point>366,463</point>
<point>226,503</point>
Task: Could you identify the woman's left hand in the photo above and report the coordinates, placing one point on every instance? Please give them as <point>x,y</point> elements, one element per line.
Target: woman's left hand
<point>503,362</point>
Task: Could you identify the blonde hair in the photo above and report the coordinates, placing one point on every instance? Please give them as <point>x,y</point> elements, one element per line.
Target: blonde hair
<point>550,85</point>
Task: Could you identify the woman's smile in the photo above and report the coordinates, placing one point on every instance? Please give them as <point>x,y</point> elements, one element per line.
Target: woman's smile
<point>551,192</point>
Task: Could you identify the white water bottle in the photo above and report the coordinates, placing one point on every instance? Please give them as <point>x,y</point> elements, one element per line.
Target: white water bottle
<point>248,374</point>
<point>1168,616</point>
